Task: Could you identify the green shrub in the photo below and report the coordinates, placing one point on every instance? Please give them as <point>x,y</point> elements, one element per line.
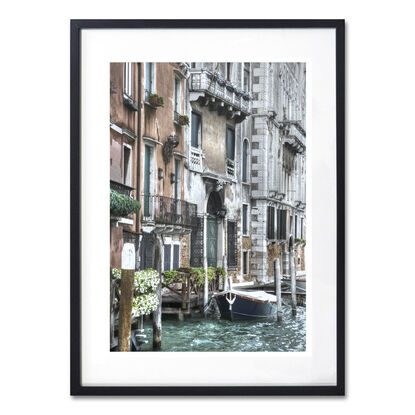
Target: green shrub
<point>122,205</point>
<point>170,277</point>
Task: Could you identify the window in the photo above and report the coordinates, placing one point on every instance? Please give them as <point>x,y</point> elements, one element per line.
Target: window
<point>232,244</point>
<point>127,166</point>
<point>128,79</point>
<point>149,81</point>
<point>196,130</point>
<point>247,70</point>
<point>230,144</point>
<point>245,161</point>
<point>171,251</point>
<point>196,244</point>
<point>302,228</point>
<point>176,257</point>
<point>244,219</point>
<point>228,71</point>
<point>245,264</point>
<point>295,227</point>
<point>281,224</point>
<point>167,257</point>
<point>177,96</point>
<point>271,222</point>
<point>177,178</point>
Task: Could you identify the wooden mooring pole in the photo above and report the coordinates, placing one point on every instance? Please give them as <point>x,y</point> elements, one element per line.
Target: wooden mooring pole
<point>126,298</point>
<point>293,282</point>
<point>277,283</point>
<point>157,320</point>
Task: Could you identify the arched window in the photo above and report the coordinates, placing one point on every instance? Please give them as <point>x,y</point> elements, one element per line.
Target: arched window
<point>245,161</point>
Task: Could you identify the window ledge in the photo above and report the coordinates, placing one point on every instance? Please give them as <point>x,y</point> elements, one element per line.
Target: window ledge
<point>154,107</point>
<point>129,102</point>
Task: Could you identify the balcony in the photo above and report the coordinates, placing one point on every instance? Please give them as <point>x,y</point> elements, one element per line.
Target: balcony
<point>169,211</point>
<point>217,97</point>
<point>121,188</point>
<point>294,136</point>
<point>196,159</point>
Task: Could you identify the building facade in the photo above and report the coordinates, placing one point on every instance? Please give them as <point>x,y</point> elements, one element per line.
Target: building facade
<point>124,98</point>
<point>219,107</point>
<point>216,155</point>
<point>166,217</point>
<point>278,142</point>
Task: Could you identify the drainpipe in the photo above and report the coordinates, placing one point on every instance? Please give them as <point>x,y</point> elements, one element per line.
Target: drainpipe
<point>138,142</point>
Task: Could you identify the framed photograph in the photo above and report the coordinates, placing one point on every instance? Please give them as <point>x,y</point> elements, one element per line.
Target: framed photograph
<point>207,207</point>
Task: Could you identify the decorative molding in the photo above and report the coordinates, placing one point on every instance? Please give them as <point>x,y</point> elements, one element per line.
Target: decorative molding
<point>151,140</point>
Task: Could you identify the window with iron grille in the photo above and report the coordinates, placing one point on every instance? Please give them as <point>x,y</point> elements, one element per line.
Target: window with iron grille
<point>147,251</point>
<point>196,244</point>
<point>271,222</point>
<point>232,244</point>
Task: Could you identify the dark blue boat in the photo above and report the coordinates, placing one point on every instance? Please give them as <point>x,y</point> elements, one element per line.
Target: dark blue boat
<point>243,305</point>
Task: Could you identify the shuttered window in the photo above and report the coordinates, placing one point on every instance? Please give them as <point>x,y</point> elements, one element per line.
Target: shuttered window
<point>176,256</point>
<point>232,244</point>
<point>167,257</point>
<point>271,222</point>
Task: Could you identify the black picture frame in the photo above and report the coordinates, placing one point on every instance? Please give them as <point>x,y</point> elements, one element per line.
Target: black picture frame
<point>76,27</point>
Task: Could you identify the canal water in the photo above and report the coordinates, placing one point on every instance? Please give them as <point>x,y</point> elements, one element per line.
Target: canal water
<point>199,334</point>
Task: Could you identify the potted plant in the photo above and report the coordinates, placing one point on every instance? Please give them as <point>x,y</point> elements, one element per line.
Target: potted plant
<point>155,100</point>
<point>246,96</point>
<point>183,120</point>
<point>221,81</point>
<point>238,92</point>
<point>229,86</point>
<point>160,101</point>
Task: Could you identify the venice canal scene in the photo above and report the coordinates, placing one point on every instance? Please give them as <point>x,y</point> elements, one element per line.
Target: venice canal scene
<point>208,206</point>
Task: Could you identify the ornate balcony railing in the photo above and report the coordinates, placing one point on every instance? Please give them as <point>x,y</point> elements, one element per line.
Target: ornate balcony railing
<point>294,136</point>
<point>121,188</point>
<point>218,97</point>
<point>196,159</point>
<point>168,211</point>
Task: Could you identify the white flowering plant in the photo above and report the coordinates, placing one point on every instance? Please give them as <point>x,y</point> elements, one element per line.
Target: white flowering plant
<point>145,284</point>
<point>115,273</point>
<point>146,281</point>
<point>144,304</point>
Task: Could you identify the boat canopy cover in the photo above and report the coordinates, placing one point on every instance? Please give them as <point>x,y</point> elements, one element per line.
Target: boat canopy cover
<point>257,295</point>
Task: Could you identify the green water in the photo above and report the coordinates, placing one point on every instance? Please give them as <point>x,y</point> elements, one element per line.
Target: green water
<point>197,334</point>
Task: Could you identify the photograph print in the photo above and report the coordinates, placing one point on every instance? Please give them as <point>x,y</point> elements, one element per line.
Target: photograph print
<point>208,206</point>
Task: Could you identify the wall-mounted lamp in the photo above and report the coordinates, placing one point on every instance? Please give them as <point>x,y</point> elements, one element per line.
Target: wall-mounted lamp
<point>222,212</point>
<point>172,178</point>
<point>160,173</point>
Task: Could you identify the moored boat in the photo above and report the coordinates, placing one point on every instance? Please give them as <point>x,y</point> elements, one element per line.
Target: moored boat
<point>243,305</point>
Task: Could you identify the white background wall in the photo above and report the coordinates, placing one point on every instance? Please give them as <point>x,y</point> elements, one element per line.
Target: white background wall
<point>35,205</point>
